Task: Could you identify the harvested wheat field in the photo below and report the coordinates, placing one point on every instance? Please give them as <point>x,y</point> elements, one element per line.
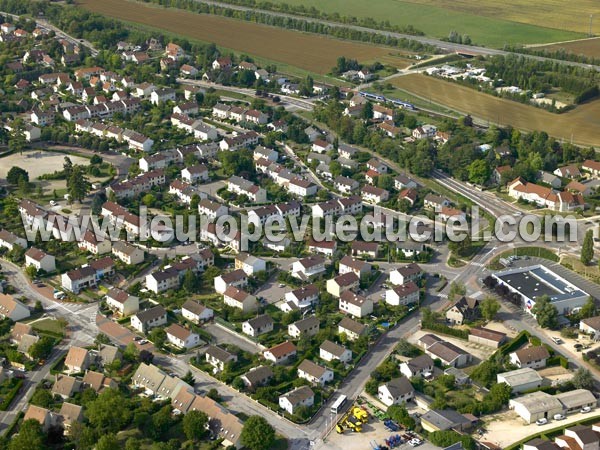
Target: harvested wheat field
<point>582,124</point>
<point>307,51</point>
<point>587,47</point>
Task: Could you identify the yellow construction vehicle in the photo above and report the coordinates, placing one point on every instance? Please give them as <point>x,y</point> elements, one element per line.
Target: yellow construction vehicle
<point>360,414</point>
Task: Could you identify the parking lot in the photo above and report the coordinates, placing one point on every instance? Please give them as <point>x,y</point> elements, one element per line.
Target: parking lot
<point>373,432</point>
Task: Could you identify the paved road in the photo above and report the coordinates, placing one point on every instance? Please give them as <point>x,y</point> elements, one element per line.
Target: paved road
<point>31,381</point>
<point>447,47</point>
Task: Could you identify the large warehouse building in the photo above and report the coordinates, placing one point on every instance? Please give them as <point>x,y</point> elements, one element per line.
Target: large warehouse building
<point>535,281</point>
<point>541,405</point>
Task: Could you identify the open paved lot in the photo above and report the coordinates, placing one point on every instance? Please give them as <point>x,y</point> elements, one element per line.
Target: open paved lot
<point>37,162</point>
<point>505,428</point>
<point>372,431</point>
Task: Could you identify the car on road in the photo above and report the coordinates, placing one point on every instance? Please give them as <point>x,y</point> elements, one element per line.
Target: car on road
<point>281,285</point>
<point>557,340</point>
<point>144,341</point>
<point>541,421</point>
<point>559,417</point>
<point>586,409</point>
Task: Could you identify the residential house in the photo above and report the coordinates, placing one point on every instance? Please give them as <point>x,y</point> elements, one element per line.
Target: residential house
<point>196,312</point>
<point>258,325</point>
<point>314,373</point>
<point>250,264</point>
<point>65,386</point>
<point>534,357</point>
<point>373,194</point>
<point>257,377</point>
<point>301,396</point>
<point>341,283</point>
<point>465,309</point>
<point>397,391</point>
<point>45,417</point>
<point>94,244</point>
<point>436,202</point>
<point>360,268</point>
<point>211,209</point>
<point>149,318</point>
<point>195,173</point>
<point>308,267</point>
<point>419,366</point>
<point>70,414</point>
<point>570,171</point>
<point>591,167</point>
<point>444,419</point>
<point>410,272</point>
<point>217,357</point>
<point>240,299</point>
<point>365,249</point>
<point>403,294</point>
<point>182,337</point>
<point>12,308</point>
<point>324,247</point>
<point>303,297</point>
<point>351,328</point>
<point>308,326</point>
<point>280,353</point>
<point>8,240</point>
<point>122,302</point>
<point>19,330</point>
<point>424,132</point>
<point>77,360</point>
<point>330,351</point>
<point>78,279</point>
<point>355,305</point>
<point>237,279</point>
<point>345,185</point>
<point>128,253</point>
<point>40,260</point>
<point>448,353</point>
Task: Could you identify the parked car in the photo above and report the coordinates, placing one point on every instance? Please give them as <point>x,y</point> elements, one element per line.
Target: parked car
<point>541,421</point>
<point>586,409</point>
<point>557,340</point>
<point>559,417</point>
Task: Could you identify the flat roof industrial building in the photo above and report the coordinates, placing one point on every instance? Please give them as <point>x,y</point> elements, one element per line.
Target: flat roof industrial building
<point>535,281</point>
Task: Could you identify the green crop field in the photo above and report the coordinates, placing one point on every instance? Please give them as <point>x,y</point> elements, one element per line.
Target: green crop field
<point>480,20</point>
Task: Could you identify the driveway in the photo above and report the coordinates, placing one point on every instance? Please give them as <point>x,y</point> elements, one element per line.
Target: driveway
<point>224,335</point>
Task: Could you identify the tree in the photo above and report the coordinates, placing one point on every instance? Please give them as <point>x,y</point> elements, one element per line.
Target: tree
<point>110,411</point>
<point>214,394</point>
<point>15,174</point>
<point>149,200</point>
<point>399,414</point>
<point>108,442</point>
<point>78,185</point>
<point>67,167</point>
<point>257,434</point>
<point>42,348</point>
<point>30,436</point>
<point>194,425</point>
<point>587,248</point>
<point>479,172</point>
<point>189,378</point>
<point>456,290</point>
<point>31,272</point>
<point>589,309</point>
<point>545,312</point>
<point>158,336</point>
<point>190,282</point>
<point>583,379</point>
<point>489,308</point>
<point>42,397</point>
<point>16,139</point>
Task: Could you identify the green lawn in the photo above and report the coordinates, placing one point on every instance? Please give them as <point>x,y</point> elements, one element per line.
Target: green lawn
<point>438,22</point>
<point>49,325</point>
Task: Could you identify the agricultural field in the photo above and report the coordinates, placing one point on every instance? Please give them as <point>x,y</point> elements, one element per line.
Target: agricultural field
<point>310,52</point>
<point>480,20</point>
<point>579,125</point>
<point>587,47</point>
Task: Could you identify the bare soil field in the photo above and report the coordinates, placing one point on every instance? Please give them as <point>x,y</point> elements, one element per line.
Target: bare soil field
<point>37,162</point>
<point>311,52</point>
<point>587,47</point>
<point>579,125</point>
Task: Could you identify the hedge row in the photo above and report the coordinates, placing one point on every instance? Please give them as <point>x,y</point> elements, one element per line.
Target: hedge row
<point>11,395</point>
<point>445,329</point>
<point>516,343</point>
